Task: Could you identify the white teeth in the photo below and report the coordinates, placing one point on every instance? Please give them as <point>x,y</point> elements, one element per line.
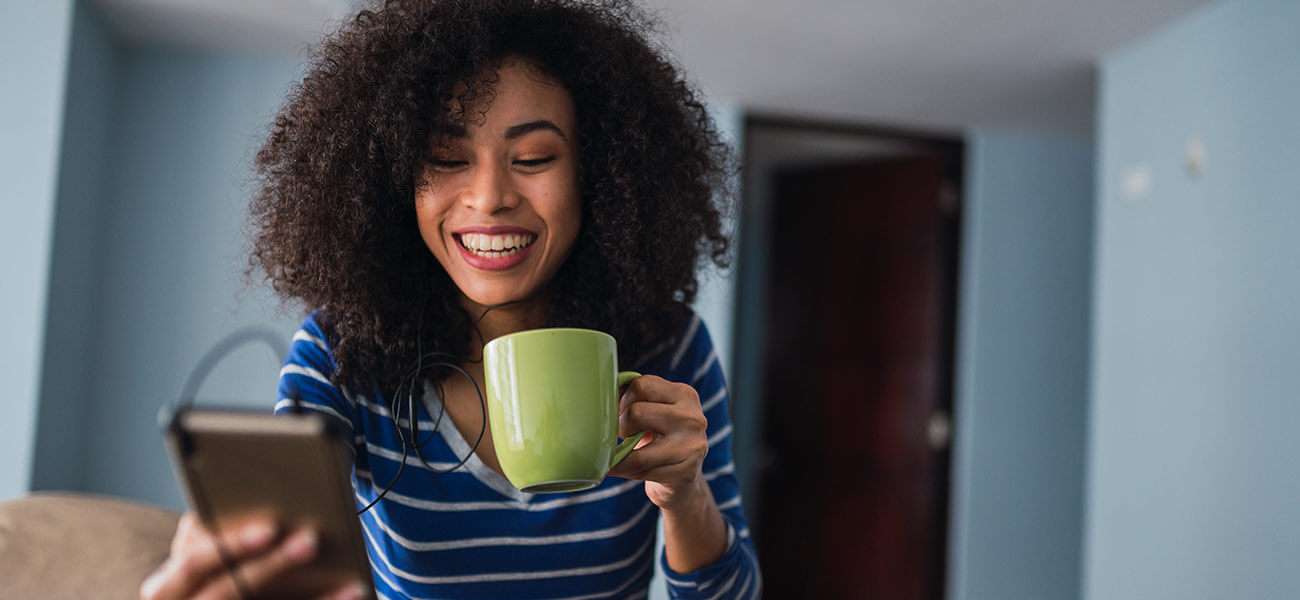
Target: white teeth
<point>495,245</point>
<point>499,254</point>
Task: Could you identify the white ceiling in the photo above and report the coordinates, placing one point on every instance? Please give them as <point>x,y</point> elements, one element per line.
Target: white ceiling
<point>932,64</point>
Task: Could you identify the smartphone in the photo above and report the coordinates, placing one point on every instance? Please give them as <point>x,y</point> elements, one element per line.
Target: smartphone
<point>296,468</point>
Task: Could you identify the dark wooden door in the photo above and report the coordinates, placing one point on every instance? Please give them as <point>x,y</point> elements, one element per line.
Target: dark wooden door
<point>857,374</point>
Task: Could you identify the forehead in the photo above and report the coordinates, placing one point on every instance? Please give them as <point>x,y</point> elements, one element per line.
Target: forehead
<point>520,93</point>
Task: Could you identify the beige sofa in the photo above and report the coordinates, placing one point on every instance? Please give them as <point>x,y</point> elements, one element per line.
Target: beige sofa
<point>75,546</point>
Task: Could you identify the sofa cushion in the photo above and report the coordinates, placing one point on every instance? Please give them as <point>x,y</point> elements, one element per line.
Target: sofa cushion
<point>58,545</point>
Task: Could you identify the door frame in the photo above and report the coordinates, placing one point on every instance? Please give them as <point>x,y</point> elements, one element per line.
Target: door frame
<point>750,305</point>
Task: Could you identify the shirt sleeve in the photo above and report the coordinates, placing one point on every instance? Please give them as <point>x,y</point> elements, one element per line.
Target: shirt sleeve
<point>305,380</point>
<point>736,574</point>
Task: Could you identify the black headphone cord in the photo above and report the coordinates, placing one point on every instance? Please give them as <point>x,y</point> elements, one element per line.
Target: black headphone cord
<point>412,423</point>
<point>189,391</point>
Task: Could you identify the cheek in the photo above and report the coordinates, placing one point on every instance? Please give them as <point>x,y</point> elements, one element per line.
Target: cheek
<point>561,207</point>
<point>429,212</point>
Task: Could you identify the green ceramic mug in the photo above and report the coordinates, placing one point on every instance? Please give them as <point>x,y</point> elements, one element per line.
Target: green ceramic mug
<point>552,398</point>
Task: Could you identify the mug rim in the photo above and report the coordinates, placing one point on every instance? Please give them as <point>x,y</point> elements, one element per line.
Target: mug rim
<point>544,330</point>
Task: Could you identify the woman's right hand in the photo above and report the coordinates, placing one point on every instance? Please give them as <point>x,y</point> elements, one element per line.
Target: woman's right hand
<point>195,569</point>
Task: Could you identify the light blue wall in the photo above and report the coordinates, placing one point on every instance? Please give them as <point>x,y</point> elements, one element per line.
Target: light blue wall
<point>716,305</point>
<point>33,69</point>
<point>172,253</point>
<point>69,329</point>
<point>717,295</point>
<point>1022,365</point>
<point>1193,488</point>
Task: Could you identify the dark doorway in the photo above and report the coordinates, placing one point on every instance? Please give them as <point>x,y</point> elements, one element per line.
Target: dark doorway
<point>852,364</point>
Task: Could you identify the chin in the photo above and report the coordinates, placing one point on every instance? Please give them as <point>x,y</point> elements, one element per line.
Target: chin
<point>494,294</point>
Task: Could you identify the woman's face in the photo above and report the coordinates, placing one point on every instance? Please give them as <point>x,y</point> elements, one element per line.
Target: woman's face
<point>501,210</point>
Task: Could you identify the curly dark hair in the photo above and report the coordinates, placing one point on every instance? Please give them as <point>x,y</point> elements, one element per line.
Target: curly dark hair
<point>333,218</point>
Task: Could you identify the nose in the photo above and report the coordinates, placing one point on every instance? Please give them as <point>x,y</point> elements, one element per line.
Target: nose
<point>490,190</point>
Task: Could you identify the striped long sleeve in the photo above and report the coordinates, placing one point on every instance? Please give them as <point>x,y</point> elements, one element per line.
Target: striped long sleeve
<point>452,527</point>
<point>305,378</point>
<point>736,574</point>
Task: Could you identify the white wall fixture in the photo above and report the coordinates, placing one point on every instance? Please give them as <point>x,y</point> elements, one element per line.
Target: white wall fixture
<point>1137,183</point>
<point>1194,157</point>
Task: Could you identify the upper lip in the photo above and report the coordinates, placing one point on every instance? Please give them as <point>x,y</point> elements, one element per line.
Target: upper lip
<point>492,230</point>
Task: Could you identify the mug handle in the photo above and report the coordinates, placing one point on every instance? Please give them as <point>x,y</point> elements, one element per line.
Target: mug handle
<point>623,449</point>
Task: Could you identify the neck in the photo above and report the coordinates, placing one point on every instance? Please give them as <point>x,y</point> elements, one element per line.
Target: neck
<point>494,322</point>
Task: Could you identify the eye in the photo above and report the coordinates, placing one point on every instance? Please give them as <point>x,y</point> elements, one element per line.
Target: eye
<point>534,163</point>
<point>440,164</point>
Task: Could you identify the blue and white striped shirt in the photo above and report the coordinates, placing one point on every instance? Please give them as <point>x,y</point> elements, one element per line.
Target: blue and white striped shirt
<point>470,534</point>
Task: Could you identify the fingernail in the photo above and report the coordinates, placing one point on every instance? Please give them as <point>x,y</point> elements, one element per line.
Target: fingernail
<point>257,534</point>
<point>301,545</point>
<point>355,591</point>
<point>150,585</point>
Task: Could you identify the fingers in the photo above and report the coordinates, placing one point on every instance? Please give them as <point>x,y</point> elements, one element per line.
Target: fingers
<point>257,573</point>
<point>655,463</point>
<point>678,441</point>
<point>352,591</point>
<point>676,431</point>
<point>195,557</point>
<point>649,388</point>
<point>662,419</point>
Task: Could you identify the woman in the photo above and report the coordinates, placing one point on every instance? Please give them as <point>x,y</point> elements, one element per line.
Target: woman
<point>452,171</point>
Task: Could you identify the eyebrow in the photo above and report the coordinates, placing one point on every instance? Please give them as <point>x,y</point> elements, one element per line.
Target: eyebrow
<point>521,129</point>
<point>455,130</point>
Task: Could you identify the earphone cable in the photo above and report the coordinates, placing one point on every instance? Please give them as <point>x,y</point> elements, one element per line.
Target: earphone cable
<point>409,382</point>
<point>189,391</point>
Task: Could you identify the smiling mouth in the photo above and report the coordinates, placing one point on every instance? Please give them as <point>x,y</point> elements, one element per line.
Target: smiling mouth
<point>495,245</point>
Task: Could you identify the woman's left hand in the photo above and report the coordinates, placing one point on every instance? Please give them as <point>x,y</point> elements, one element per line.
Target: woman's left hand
<point>670,456</point>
